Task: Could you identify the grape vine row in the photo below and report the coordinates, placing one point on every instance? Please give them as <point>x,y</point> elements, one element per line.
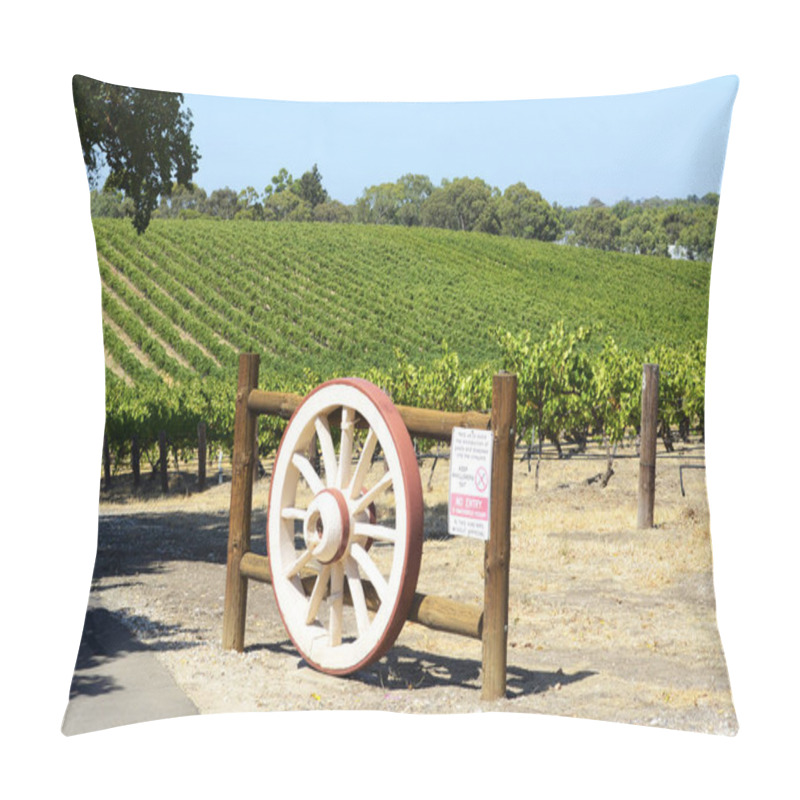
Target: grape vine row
<point>427,314</point>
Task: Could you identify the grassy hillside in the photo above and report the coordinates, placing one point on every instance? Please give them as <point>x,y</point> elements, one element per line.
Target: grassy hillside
<point>187,296</point>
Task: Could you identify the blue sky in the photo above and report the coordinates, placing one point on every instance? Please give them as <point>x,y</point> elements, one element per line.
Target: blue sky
<point>669,142</point>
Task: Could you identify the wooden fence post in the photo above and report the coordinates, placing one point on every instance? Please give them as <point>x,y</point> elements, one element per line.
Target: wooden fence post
<point>498,549</point>
<point>106,462</point>
<point>163,460</point>
<point>241,505</point>
<point>647,449</point>
<point>255,447</point>
<point>201,456</point>
<point>135,468</point>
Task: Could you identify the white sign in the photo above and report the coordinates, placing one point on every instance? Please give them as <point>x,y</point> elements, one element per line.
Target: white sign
<point>470,483</point>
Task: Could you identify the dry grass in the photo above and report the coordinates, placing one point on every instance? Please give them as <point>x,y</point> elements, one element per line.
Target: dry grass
<point>605,621</point>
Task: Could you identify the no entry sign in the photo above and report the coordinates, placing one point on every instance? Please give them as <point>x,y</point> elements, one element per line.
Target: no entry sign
<point>470,483</point>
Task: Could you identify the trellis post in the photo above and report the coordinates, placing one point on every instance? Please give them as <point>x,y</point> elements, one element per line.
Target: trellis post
<point>647,448</point>
<point>201,456</point>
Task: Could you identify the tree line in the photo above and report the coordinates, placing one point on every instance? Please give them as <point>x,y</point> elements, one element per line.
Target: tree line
<point>144,138</point>
<point>654,226</point>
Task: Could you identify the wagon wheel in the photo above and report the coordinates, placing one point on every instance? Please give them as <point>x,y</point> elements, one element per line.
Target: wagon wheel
<point>359,527</point>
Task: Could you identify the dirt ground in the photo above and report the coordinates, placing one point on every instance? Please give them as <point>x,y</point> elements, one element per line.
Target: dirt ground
<point>606,621</point>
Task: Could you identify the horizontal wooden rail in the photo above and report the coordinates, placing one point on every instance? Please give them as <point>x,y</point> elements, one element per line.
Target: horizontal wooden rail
<point>422,422</point>
<point>439,613</point>
<point>281,404</point>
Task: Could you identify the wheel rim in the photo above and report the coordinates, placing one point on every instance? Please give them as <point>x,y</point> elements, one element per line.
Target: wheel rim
<point>356,521</point>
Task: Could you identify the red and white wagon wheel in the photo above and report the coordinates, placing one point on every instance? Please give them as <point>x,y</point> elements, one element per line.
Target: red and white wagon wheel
<point>359,521</point>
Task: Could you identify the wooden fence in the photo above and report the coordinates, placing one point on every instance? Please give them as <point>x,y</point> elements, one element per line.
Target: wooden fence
<point>488,623</point>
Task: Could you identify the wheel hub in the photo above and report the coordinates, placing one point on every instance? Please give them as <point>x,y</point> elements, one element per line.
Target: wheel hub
<point>326,526</point>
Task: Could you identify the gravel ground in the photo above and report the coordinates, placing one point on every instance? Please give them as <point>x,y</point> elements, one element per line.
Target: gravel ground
<point>605,622</point>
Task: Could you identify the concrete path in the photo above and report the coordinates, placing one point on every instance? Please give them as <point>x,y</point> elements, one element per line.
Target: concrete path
<point>117,680</point>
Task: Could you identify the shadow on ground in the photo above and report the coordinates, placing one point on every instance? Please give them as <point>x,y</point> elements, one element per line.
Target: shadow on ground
<point>404,668</point>
<point>106,637</point>
<point>134,543</point>
<point>129,544</point>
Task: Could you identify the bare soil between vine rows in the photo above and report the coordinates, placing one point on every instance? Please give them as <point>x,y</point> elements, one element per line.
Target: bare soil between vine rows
<point>606,622</point>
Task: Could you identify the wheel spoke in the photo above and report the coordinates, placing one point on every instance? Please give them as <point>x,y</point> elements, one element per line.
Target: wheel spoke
<point>346,447</point>
<point>317,594</point>
<point>323,429</point>
<point>381,486</point>
<point>353,500</point>
<point>371,570</point>
<point>308,472</point>
<point>299,563</point>
<point>364,463</point>
<point>379,532</point>
<point>336,604</point>
<point>357,594</point>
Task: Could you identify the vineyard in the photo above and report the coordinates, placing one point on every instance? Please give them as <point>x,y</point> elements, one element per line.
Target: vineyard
<point>427,314</point>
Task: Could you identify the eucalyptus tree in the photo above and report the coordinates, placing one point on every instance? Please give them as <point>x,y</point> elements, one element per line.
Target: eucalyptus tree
<point>142,136</point>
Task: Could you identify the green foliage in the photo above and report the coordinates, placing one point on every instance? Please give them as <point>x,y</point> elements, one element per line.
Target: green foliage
<point>286,206</point>
<point>643,233</point>
<point>222,203</point>
<point>596,226</point>
<point>463,204</point>
<point>565,388</point>
<point>681,385</point>
<point>110,203</point>
<point>320,301</point>
<point>182,202</point>
<point>249,205</point>
<point>526,214</point>
<point>698,236</point>
<point>280,183</point>
<point>309,294</point>
<point>143,136</point>
<point>647,227</point>
<point>443,384</point>
<point>398,203</point>
<point>553,378</point>
<point>615,396</point>
<point>309,188</point>
<point>378,205</point>
<point>414,190</point>
<point>332,211</point>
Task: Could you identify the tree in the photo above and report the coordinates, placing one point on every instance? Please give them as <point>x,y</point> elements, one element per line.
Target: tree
<point>674,220</point>
<point>463,205</point>
<point>249,205</point>
<point>378,205</point>
<point>398,203</point>
<point>286,206</point>
<point>222,203</point>
<point>309,188</point>
<point>698,237</point>
<point>144,137</point>
<point>413,191</point>
<point>526,214</point>
<point>596,226</point>
<point>280,183</point>
<point>182,202</point>
<point>110,203</point>
<point>641,232</point>
<point>332,211</point>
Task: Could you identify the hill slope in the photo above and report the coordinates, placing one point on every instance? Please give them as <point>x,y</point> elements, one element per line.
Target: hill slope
<point>187,296</point>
